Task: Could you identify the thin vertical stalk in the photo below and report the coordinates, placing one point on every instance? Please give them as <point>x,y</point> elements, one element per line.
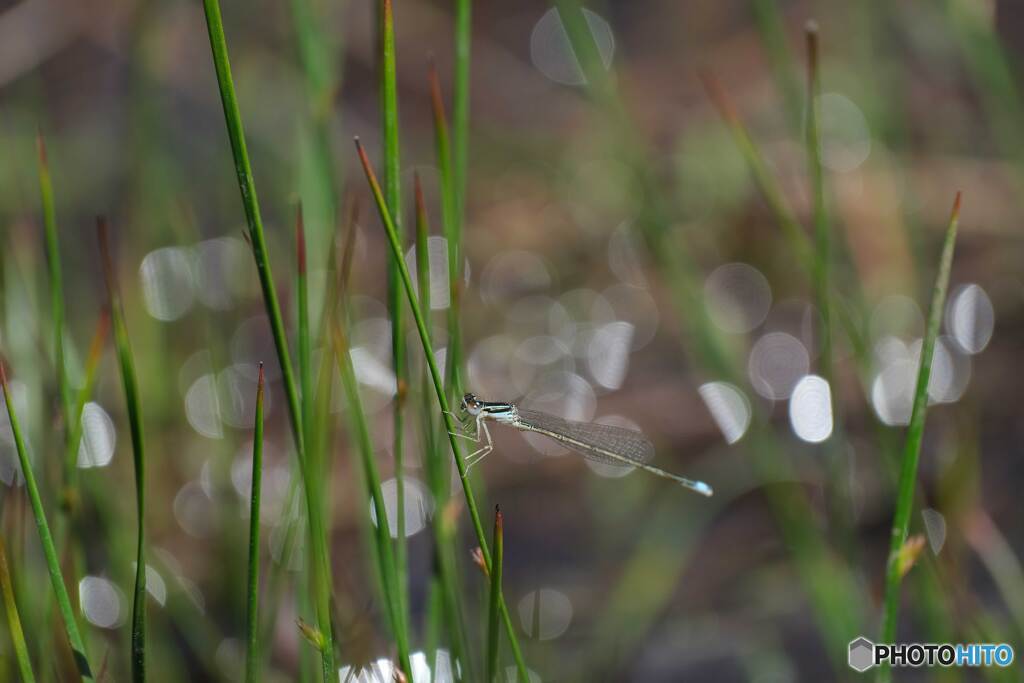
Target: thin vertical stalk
<point>364,444</point>
<point>56,284</point>
<point>458,180</point>
<point>493,646</point>
<point>132,400</point>
<point>822,239</point>
<point>13,620</point>
<point>393,196</point>
<point>302,301</point>
<point>92,363</point>
<point>450,224</point>
<point>252,619</point>
<point>435,375</point>
<point>839,503</point>
<point>319,66</point>
<point>45,537</point>
<point>758,169</point>
<point>769,19</point>
<point>247,187</point>
<point>337,320</point>
<point>423,275</point>
<point>437,468</point>
<point>915,432</point>
<point>460,114</point>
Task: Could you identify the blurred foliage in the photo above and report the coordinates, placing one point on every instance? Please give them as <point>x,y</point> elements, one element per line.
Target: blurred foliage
<point>590,201</point>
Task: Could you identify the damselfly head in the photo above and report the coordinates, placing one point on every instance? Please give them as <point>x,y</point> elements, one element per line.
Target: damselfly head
<point>471,404</point>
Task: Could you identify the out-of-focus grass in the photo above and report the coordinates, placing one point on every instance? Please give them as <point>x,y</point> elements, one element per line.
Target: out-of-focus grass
<point>53,267</point>
<point>133,402</point>
<point>641,559</point>
<point>829,583</point>
<point>45,537</point>
<point>13,619</point>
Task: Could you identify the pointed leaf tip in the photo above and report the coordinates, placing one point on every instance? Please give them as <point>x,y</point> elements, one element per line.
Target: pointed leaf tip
<point>956,205</point>
<point>41,149</point>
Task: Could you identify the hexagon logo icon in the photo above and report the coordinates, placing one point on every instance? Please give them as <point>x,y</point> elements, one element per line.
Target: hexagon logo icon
<point>862,654</point>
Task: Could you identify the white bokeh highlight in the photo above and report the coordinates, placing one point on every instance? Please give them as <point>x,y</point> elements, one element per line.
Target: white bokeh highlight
<point>810,409</point>
<point>552,53</point>
<point>99,437</point>
<point>545,614</point>
<point>970,318</point>
<point>729,408</point>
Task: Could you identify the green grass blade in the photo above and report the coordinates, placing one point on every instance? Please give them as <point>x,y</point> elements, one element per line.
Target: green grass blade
<point>250,203</point>
<point>771,25</point>
<point>132,400</point>
<point>302,296</point>
<point>836,460</point>
<point>360,428</point>
<point>822,238</point>
<point>422,253</point>
<point>382,531</point>
<point>320,59</point>
<point>92,364</point>
<point>252,619</point>
<point>393,196</point>
<point>53,268</point>
<point>493,628</point>
<point>766,182</point>
<point>436,463</point>
<point>45,537</point>
<point>915,432</point>
<point>435,376</point>
<point>13,620</point>
<point>452,233</point>
<point>460,114</point>
<point>456,181</point>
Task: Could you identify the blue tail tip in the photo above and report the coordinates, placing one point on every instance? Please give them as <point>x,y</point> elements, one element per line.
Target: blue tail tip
<point>703,489</point>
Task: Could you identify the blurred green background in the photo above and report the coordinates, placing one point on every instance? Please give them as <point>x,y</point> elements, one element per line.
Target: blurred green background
<point>621,265</point>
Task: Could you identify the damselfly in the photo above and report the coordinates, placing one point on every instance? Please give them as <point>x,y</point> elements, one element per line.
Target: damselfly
<point>599,442</point>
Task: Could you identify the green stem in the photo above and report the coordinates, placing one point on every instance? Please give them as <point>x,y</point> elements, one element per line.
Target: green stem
<point>460,115</point>
<point>435,375</point>
<point>13,620</point>
<point>45,537</point>
<point>495,598</point>
<point>437,465</point>
<point>85,393</point>
<point>247,187</point>
<point>915,432</point>
<point>252,620</point>
<point>393,196</point>
<point>56,285</point>
<point>386,558</point>
<point>133,403</point>
<point>450,222</point>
